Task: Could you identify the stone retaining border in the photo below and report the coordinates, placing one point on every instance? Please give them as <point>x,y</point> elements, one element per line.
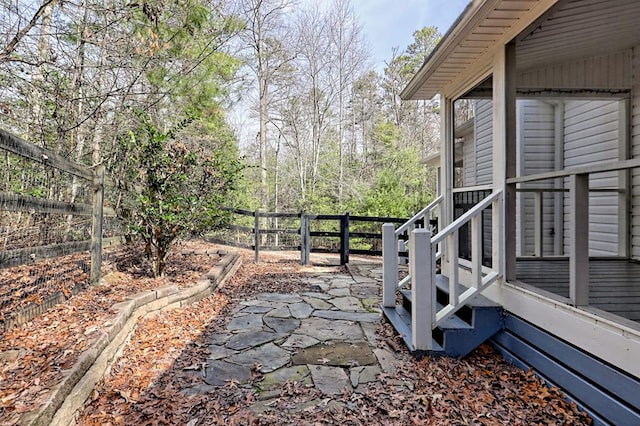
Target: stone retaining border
<point>68,396</point>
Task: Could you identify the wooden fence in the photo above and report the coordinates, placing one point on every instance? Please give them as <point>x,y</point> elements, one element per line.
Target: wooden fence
<point>305,232</point>
<point>40,184</point>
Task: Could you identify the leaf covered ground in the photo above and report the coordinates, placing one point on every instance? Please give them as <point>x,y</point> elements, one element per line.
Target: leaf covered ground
<point>159,378</point>
<point>33,356</point>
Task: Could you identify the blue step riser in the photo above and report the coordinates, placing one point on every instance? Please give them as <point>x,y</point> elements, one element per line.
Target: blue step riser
<point>458,343</point>
<point>485,321</point>
<point>400,319</point>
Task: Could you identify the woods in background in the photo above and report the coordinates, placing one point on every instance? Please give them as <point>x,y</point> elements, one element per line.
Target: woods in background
<point>331,133</point>
<point>147,88</point>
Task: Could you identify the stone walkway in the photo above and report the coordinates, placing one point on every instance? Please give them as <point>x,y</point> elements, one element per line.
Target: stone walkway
<point>323,337</point>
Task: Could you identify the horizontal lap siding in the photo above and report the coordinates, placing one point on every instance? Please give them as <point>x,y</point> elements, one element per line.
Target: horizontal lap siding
<point>469,161</point>
<point>635,151</point>
<point>484,142</point>
<point>483,160</point>
<point>598,72</point>
<point>537,145</point>
<point>591,133</point>
<point>613,283</point>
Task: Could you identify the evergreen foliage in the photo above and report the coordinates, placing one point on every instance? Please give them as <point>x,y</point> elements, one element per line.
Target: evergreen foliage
<point>179,184</point>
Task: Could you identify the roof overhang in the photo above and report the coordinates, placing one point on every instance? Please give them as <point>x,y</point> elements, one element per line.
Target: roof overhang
<point>468,46</point>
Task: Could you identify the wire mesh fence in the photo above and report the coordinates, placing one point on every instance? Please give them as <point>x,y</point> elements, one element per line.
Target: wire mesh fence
<point>48,219</point>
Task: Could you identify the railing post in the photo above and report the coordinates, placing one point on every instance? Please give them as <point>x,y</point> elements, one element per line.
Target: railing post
<point>96,224</point>
<point>344,239</point>
<point>579,248</point>
<point>538,220</point>
<point>402,248</point>
<point>453,255</point>
<point>497,254</point>
<point>389,265</point>
<point>422,289</point>
<point>256,231</point>
<point>476,251</point>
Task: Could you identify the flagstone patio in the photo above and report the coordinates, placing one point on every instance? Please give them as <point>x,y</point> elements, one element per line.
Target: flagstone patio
<point>323,337</point>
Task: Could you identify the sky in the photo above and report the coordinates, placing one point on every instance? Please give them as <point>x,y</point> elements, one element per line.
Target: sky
<point>391,23</point>
<point>386,24</point>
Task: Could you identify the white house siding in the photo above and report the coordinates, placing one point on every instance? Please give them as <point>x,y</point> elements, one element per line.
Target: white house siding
<point>469,161</point>
<point>635,151</point>
<point>591,133</point>
<point>611,71</point>
<point>536,154</point>
<point>484,141</point>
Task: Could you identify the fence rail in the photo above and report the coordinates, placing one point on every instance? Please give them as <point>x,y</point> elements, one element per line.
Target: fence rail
<point>55,201</point>
<point>305,232</point>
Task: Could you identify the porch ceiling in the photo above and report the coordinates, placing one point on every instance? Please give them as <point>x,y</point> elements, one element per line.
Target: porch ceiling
<point>546,32</point>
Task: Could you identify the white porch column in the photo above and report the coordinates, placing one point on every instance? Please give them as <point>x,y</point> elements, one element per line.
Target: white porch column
<point>446,168</point>
<point>504,159</point>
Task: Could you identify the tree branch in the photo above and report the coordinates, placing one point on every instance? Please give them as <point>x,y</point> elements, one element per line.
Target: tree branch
<point>11,47</point>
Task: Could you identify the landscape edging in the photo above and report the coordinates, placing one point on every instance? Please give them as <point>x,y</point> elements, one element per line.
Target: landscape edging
<point>69,395</point>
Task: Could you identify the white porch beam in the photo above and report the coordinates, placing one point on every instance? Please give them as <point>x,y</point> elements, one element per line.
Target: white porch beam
<point>579,246</point>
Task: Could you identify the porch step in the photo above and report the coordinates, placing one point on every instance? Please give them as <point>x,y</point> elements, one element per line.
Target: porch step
<point>400,319</point>
<point>459,334</point>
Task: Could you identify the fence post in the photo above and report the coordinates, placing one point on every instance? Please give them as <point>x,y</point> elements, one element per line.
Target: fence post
<point>305,238</point>
<point>256,231</point>
<point>344,239</point>
<point>96,224</point>
<point>303,254</point>
<point>389,265</point>
<point>422,289</point>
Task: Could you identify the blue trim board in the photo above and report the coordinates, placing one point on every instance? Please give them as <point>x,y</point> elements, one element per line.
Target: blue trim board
<point>604,391</point>
<point>617,383</point>
<point>510,357</point>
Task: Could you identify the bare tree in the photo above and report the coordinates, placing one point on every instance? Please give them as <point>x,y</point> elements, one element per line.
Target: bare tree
<point>349,54</point>
<point>265,35</point>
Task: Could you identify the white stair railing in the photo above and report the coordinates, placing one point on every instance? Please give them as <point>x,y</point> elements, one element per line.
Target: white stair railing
<point>390,239</point>
<point>423,253</point>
